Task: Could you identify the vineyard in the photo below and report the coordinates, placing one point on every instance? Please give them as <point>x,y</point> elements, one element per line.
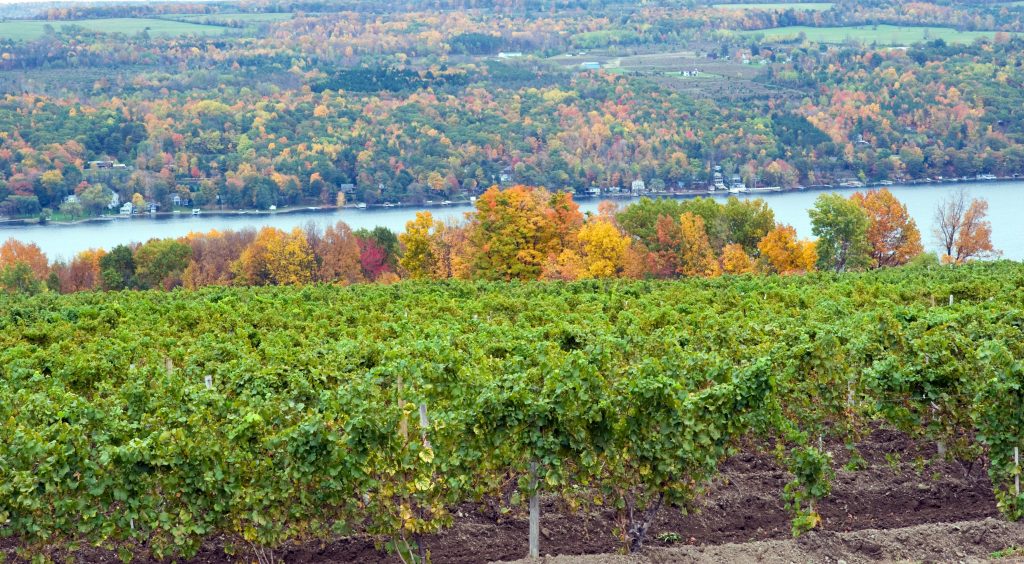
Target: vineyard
<point>146,422</point>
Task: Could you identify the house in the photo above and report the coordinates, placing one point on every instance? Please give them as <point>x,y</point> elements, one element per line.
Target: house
<point>71,199</point>
<point>101,164</point>
<point>590,65</point>
<point>127,209</point>
<point>594,191</point>
<point>510,55</point>
<point>347,188</point>
<point>638,186</point>
<point>176,200</point>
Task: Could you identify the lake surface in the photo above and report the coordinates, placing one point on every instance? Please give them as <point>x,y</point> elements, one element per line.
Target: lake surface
<point>1006,212</point>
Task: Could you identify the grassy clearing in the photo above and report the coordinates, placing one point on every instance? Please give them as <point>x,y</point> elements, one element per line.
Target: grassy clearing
<point>245,18</point>
<point>880,34</point>
<point>804,6</point>
<point>34,29</point>
<point>602,38</point>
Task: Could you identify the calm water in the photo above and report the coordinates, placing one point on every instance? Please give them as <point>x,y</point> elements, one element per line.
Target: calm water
<point>1006,211</point>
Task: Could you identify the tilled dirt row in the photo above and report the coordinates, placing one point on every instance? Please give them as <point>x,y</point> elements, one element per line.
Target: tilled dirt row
<point>965,541</point>
<point>899,487</point>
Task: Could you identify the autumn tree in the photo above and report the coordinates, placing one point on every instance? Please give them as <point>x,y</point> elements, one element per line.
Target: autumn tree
<point>13,251</point>
<point>337,254</point>
<point>82,272</point>
<point>783,253</point>
<point>962,230</point>
<point>892,233</point>
<point>842,230</point>
<point>665,248</point>
<point>603,249</point>
<point>213,254</point>
<point>514,231</point>
<point>696,257</point>
<point>450,250</point>
<point>735,260</point>
<point>418,247</point>
<point>276,257</point>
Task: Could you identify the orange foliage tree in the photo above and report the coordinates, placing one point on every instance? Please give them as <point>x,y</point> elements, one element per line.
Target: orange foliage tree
<point>14,251</point>
<point>892,233</point>
<point>337,253</point>
<point>962,230</point>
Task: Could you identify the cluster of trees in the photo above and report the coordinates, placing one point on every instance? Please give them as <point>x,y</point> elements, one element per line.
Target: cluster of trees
<point>525,233</point>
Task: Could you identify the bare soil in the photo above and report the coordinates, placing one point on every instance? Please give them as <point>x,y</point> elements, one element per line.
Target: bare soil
<point>903,505</point>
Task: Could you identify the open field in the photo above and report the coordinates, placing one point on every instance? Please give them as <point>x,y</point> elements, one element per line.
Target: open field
<point>881,34</point>
<point>246,18</point>
<point>716,78</point>
<point>816,6</point>
<point>34,29</point>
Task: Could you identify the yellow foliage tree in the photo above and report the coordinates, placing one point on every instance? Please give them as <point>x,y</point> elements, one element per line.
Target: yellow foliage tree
<point>418,257</point>
<point>604,249</point>
<point>785,254</point>
<point>735,260</point>
<point>276,257</point>
<point>696,257</point>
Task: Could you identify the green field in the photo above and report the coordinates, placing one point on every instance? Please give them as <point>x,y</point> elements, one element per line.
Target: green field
<point>247,18</point>
<point>881,34</point>
<point>34,29</point>
<point>817,6</point>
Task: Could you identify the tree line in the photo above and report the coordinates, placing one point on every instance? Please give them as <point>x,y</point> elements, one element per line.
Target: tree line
<point>526,233</point>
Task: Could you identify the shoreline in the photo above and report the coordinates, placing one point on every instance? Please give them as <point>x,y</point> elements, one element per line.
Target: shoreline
<point>679,194</point>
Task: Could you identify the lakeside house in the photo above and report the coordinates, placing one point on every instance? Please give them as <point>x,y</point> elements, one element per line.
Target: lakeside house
<point>127,209</point>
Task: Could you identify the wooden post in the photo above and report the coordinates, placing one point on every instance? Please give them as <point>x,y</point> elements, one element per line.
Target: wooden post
<point>403,424</point>
<point>168,365</point>
<point>534,513</point>
<point>1016,476</point>
<point>424,424</point>
<point>951,299</point>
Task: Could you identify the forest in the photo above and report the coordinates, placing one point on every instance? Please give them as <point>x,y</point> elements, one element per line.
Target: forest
<point>353,104</point>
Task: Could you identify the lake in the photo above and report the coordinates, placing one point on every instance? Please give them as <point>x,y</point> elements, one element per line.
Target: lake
<point>1006,212</point>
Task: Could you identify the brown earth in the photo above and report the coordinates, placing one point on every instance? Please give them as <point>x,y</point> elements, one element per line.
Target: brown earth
<point>901,487</point>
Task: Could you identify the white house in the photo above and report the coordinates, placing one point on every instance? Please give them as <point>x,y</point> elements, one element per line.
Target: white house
<point>638,186</point>
<point>127,209</point>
